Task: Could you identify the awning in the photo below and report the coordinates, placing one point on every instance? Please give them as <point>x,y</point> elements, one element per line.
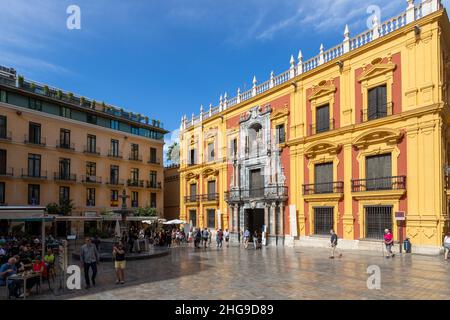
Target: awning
<point>19,213</point>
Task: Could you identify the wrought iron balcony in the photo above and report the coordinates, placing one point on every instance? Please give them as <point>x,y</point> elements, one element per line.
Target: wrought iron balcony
<point>375,184</point>
<point>323,188</point>
<point>91,179</point>
<point>5,135</point>
<point>317,128</point>
<point>135,157</point>
<point>153,185</point>
<point>66,145</point>
<point>267,193</point>
<point>39,141</point>
<point>91,150</point>
<point>192,198</point>
<point>381,112</point>
<point>135,183</point>
<point>210,197</point>
<point>115,154</point>
<point>90,202</point>
<point>33,174</point>
<point>115,182</point>
<point>154,161</point>
<point>62,176</point>
<point>7,172</point>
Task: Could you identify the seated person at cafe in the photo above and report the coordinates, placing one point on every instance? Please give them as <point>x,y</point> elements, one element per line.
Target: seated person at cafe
<point>6,270</point>
<point>39,266</point>
<point>19,264</point>
<point>49,258</point>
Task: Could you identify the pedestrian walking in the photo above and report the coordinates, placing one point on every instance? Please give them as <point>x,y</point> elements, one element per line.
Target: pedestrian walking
<point>209,237</point>
<point>388,242</point>
<point>119,262</point>
<point>446,245</point>
<point>246,238</point>
<point>205,236</point>
<point>89,258</point>
<point>334,242</point>
<point>197,238</point>
<point>226,235</point>
<point>255,239</point>
<point>219,238</point>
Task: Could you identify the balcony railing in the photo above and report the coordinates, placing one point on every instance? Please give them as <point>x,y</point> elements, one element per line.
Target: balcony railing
<point>323,188</point>
<point>5,135</point>
<point>115,182</point>
<point>91,179</point>
<point>267,193</point>
<point>42,175</point>
<point>66,145</point>
<point>61,176</point>
<point>154,161</point>
<point>134,204</point>
<point>135,183</point>
<point>115,154</point>
<point>7,172</point>
<point>90,202</point>
<point>210,197</point>
<point>135,157</point>
<point>317,128</point>
<point>153,185</point>
<point>374,184</point>
<point>91,150</point>
<point>381,112</point>
<point>192,198</point>
<point>39,141</point>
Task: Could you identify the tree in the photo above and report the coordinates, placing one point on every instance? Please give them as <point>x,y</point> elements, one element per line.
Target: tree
<point>64,207</point>
<point>173,153</point>
<point>145,212</point>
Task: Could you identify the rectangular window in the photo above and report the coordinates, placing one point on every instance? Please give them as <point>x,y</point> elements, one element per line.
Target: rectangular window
<point>64,169</point>
<point>65,112</point>
<point>280,132</point>
<point>211,217</point>
<point>35,104</point>
<point>323,178</point>
<point>114,198</point>
<point>90,197</point>
<point>153,177</point>
<point>134,199</point>
<point>234,147</point>
<point>91,144</point>
<point>64,194</point>
<point>211,151</point>
<point>256,183</point>
<point>193,217</point>
<point>378,218</point>
<point>152,155</point>
<point>114,175</point>
<point>34,165</point>
<point>211,190</point>
<point>114,124</point>
<point>323,119</point>
<point>134,152</point>
<point>91,169</point>
<point>91,118</point>
<point>192,157</point>
<point>64,138</point>
<point>114,152</point>
<point>323,220</point>
<point>377,104</point>
<point>193,192</point>
<point>379,172</point>
<point>3,96</point>
<point>34,194</point>
<point>153,200</point>
<point>34,133</point>
<point>2,162</point>
<point>2,193</point>
<point>3,127</point>
<point>135,174</point>
<point>135,130</point>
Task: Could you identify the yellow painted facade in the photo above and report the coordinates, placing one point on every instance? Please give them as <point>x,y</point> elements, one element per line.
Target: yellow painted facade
<point>413,62</point>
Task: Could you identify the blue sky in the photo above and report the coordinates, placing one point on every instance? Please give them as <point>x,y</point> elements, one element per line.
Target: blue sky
<point>163,58</point>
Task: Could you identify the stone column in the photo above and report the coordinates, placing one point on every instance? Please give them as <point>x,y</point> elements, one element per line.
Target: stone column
<point>266,218</point>
<point>230,219</point>
<point>281,228</point>
<point>273,226</point>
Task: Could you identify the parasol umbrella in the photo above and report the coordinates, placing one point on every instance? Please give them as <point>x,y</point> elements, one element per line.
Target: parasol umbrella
<point>117,229</point>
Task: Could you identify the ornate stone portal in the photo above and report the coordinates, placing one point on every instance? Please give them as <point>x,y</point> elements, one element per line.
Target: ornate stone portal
<point>258,193</point>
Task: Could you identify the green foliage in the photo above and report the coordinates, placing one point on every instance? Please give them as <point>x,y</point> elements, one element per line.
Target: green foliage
<point>70,95</point>
<point>32,86</point>
<point>64,208</point>
<point>53,208</point>
<point>59,94</point>
<point>46,90</point>
<point>146,212</point>
<point>82,101</point>
<point>21,80</point>
<point>170,150</point>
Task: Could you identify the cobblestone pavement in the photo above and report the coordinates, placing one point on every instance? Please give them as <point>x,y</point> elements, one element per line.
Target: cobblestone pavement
<point>273,273</point>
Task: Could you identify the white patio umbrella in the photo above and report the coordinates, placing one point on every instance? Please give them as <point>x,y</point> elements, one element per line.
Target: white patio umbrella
<point>117,229</point>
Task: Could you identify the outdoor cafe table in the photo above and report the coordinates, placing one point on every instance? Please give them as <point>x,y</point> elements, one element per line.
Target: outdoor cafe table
<point>25,277</point>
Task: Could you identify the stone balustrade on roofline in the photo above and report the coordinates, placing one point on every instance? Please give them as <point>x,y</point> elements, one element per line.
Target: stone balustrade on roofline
<point>412,13</point>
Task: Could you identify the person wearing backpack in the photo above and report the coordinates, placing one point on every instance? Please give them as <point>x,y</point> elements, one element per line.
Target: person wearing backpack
<point>205,236</point>
<point>334,242</point>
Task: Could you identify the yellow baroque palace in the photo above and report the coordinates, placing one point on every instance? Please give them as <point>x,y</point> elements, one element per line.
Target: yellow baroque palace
<point>355,139</point>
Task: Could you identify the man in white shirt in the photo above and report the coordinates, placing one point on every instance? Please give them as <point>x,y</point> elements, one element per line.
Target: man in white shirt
<point>446,245</point>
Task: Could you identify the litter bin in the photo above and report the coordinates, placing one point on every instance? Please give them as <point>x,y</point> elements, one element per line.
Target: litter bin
<point>407,245</point>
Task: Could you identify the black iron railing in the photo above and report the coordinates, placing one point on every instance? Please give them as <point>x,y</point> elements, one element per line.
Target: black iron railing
<point>268,193</point>
<point>381,112</point>
<point>316,128</point>
<point>91,179</point>
<point>65,145</point>
<point>153,185</point>
<point>33,174</point>
<point>192,198</point>
<point>40,141</point>
<point>6,172</point>
<point>135,183</point>
<point>115,154</point>
<point>321,188</point>
<point>210,197</point>
<point>115,182</point>
<point>5,135</point>
<point>62,176</point>
<point>135,157</point>
<point>92,150</point>
<point>384,183</point>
